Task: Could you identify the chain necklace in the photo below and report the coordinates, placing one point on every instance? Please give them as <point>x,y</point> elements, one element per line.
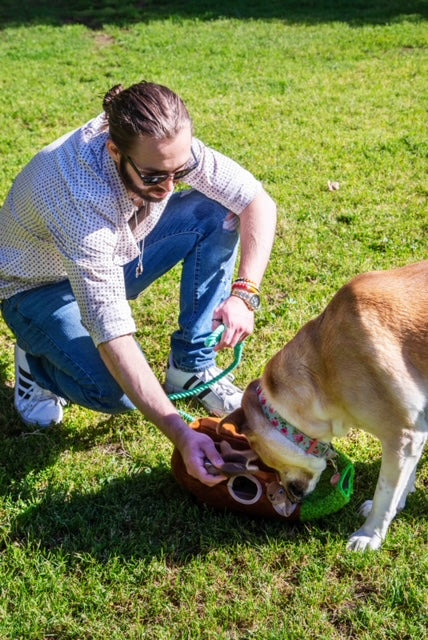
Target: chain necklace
<point>139,268</point>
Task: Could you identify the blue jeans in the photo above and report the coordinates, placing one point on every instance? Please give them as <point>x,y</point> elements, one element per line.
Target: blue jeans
<point>62,356</point>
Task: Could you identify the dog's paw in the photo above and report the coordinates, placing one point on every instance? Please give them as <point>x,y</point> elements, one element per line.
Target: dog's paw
<point>365,508</point>
<point>359,541</point>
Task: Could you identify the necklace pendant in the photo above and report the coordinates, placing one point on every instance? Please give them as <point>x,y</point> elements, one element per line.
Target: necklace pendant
<point>138,270</point>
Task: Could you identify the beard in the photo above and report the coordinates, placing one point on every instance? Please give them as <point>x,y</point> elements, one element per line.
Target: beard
<point>127,180</point>
<point>130,185</point>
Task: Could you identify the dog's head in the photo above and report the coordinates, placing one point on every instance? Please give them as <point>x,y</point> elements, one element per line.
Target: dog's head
<point>299,472</point>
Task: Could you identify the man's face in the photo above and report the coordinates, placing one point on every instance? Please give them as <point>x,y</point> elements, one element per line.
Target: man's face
<point>152,157</point>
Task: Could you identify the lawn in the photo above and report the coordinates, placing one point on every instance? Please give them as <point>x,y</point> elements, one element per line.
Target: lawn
<point>96,538</point>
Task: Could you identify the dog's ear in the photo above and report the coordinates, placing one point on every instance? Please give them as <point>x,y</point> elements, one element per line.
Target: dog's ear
<point>238,419</point>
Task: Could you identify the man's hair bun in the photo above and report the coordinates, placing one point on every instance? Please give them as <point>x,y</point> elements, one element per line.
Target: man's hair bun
<point>143,109</point>
<point>110,96</point>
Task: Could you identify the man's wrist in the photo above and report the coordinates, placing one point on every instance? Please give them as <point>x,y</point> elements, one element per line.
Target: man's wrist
<point>176,429</point>
<point>248,291</point>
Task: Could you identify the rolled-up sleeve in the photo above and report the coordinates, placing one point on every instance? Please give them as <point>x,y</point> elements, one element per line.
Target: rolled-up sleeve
<point>223,179</point>
<point>97,280</point>
<point>100,294</point>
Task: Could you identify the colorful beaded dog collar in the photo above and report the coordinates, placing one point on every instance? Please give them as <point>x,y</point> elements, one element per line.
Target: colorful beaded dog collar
<point>309,445</point>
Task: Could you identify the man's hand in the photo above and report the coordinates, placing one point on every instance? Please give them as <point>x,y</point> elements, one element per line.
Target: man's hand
<point>196,449</point>
<point>238,321</point>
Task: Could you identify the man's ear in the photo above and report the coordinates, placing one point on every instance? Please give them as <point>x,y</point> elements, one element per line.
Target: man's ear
<point>238,419</point>
<point>113,150</point>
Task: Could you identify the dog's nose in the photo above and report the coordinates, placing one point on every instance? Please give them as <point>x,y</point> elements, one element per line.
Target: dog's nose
<point>295,491</point>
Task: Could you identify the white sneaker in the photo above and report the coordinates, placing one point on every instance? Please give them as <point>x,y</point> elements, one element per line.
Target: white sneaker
<point>36,406</point>
<point>219,399</point>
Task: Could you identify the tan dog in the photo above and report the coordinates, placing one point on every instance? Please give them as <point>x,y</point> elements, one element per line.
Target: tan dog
<point>362,363</point>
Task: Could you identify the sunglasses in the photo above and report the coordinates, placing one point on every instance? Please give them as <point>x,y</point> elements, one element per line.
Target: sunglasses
<point>150,179</point>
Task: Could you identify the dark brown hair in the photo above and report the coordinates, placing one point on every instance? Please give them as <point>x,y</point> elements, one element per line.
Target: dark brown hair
<point>144,109</point>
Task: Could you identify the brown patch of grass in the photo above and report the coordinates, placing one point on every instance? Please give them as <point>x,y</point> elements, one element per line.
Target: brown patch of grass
<point>103,40</point>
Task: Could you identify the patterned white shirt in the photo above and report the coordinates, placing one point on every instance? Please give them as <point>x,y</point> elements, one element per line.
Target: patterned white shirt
<point>67,216</point>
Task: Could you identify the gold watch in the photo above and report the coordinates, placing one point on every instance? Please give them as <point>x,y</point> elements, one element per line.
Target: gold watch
<point>252,300</point>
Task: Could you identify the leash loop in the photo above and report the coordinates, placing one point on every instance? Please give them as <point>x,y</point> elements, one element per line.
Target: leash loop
<point>211,341</point>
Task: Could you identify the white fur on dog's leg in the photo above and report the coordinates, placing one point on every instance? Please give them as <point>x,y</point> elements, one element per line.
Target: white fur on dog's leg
<point>365,508</point>
<point>409,489</point>
<point>360,542</point>
<point>396,478</point>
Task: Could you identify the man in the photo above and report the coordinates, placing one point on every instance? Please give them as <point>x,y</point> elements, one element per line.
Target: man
<point>92,221</point>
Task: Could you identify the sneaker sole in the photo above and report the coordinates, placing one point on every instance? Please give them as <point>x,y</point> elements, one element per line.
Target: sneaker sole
<point>29,423</point>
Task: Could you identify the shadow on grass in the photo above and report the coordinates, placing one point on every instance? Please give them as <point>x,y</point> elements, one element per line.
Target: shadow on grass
<point>149,515</point>
<point>24,450</point>
<point>97,13</point>
<point>142,515</point>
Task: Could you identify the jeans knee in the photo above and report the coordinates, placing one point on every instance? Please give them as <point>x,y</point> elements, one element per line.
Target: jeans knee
<point>211,213</point>
<point>108,399</point>
<point>222,225</point>
<point>109,404</point>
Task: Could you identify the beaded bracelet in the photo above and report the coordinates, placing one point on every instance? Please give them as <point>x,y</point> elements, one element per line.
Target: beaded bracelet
<point>251,282</point>
<point>245,285</point>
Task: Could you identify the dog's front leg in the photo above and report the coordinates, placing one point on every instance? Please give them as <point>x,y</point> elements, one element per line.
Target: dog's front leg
<point>395,479</point>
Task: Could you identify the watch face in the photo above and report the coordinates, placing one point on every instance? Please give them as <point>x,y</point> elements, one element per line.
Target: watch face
<point>252,300</point>
<point>255,301</point>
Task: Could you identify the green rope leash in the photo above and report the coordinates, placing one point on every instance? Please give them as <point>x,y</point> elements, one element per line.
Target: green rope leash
<point>211,341</point>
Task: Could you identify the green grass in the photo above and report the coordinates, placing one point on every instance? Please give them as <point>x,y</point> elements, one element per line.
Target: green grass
<point>96,538</point>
